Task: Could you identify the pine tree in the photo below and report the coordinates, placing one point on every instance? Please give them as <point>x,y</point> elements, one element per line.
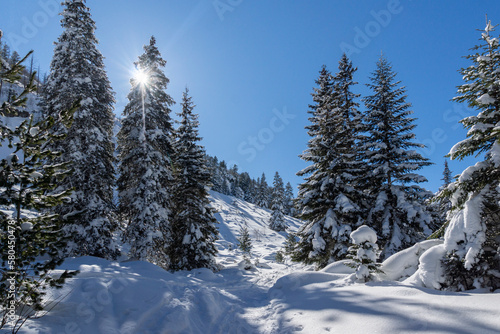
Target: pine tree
<point>472,238</point>
<point>244,241</point>
<point>262,199</point>
<point>447,178</point>
<point>364,253</point>
<point>145,146</point>
<point>398,214</point>
<point>331,198</point>
<point>29,243</point>
<point>193,222</point>
<point>77,74</point>
<point>277,221</point>
<point>289,206</point>
<point>441,205</point>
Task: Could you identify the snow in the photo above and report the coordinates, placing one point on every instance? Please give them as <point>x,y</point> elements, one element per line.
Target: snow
<point>362,234</point>
<point>430,272</point>
<point>139,297</point>
<point>466,232</point>
<point>406,262</point>
<point>485,98</point>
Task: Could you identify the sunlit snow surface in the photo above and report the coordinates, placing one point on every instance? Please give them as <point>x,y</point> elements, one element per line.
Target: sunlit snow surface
<point>138,297</point>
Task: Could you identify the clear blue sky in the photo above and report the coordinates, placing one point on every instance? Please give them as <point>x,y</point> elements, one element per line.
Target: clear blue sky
<point>251,65</point>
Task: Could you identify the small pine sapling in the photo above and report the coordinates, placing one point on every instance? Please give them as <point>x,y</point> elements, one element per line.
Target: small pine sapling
<point>279,257</point>
<point>245,245</point>
<point>290,243</point>
<point>244,241</point>
<point>364,253</point>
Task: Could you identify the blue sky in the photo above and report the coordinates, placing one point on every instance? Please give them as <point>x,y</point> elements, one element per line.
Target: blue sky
<point>251,65</point>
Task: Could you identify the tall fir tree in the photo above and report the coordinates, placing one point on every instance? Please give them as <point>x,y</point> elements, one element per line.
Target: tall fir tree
<point>472,240</point>
<point>289,200</point>
<point>145,146</point>
<point>262,198</point>
<point>193,223</point>
<point>277,221</point>
<point>399,214</point>
<point>331,198</point>
<point>447,178</point>
<point>77,74</point>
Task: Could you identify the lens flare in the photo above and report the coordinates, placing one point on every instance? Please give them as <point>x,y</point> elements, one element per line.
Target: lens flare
<point>141,77</point>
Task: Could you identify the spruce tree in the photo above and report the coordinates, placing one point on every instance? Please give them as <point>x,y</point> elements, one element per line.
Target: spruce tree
<point>363,253</point>
<point>145,146</point>
<point>289,206</point>
<point>331,198</point>
<point>31,238</point>
<point>441,204</point>
<point>262,198</point>
<point>244,241</point>
<point>277,221</point>
<point>77,74</point>
<point>193,222</point>
<point>447,178</point>
<point>398,214</point>
<point>472,238</point>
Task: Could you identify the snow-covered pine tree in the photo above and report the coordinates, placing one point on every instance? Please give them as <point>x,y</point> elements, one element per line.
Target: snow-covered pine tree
<point>472,238</point>
<point>145,146</point>
<point>277,221</point>
<point>244,241</point>
<point>289,200</point>
<point>398,213</point>
<point>364,253</point>
<point>193,222</point>
<point>447,178</point>
<point>30,242</point>
<point>262,199</point>
<point>331,198</point>
<point>77,74</point>
<point>441,204</point>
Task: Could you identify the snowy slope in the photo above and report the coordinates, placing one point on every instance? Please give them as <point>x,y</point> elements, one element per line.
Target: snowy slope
<point>138,297</point>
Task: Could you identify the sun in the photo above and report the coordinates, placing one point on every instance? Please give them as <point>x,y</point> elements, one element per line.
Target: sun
<point>141,77</point>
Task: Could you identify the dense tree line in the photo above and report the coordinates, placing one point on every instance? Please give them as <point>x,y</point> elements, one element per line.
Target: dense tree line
<point>229,181</point>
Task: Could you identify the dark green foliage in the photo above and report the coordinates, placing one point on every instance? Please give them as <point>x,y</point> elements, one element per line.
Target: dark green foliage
<point>244,241</point>
<point>290,243</point>
<point>193,222</point>
<point>472,237</point>
<point>77,74</point>
<point>364,265</point>
<point>331,198</point>
<point>280,258</point>
<point>398,211</point>
<point>277,220</point>
<point>31,238</point>
<point>145,147</point>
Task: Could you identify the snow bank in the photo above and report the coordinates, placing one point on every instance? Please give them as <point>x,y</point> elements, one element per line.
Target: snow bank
<point>339,267</point>
<point>430,272</point>
<point>405,263</point>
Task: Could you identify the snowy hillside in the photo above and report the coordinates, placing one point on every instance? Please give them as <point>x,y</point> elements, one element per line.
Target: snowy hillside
<point>138,297</point>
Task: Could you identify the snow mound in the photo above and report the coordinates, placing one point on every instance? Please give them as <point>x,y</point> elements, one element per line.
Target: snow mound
<point>405,263</point>
<point>430,273</point>
<point>362,234</point>
<point>339,267</point>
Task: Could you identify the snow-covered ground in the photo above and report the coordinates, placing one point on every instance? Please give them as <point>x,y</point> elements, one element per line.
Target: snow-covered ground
<point>138,297</point>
